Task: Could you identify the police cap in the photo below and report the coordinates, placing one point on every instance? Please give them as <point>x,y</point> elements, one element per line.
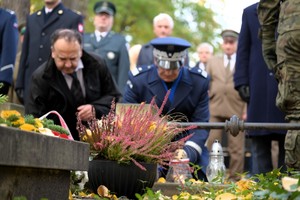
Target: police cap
<point>170,52</point>
<point>230,33</point>
<point>105,7</point>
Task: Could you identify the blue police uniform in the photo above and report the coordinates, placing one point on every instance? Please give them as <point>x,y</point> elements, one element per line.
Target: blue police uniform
<point>189,98</point>
<point>114,51</point>
<point>8,45</point>
<point>36,46</point>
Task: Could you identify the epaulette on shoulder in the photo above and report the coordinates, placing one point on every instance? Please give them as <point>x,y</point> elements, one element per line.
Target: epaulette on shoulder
<point>140,69</point>
<point>10,11</point>
<point>197,70</point>
<point>77,12</point>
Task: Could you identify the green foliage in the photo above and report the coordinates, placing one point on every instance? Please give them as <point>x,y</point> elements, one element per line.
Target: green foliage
<point>3,98</point>
<point>48,123</point>
<point>151,195</point>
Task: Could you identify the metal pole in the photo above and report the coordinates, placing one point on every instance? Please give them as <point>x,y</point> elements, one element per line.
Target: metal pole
<point>235,125</point>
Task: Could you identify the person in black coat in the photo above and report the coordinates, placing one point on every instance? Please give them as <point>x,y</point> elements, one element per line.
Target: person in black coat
<point>8,48</point>
<point>258,87</point>
<point>36,46</point>
<point>52,84</point>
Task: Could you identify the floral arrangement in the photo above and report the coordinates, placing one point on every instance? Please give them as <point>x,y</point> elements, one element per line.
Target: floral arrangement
<point>136,134</point>
<point>13,118</point>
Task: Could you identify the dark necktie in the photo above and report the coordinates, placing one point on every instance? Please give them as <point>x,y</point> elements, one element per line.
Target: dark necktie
<point>47,16</point>
<point>228,65</point>
<point>76,90</point>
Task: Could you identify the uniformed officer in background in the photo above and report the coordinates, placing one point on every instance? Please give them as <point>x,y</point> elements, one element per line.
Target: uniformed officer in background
<point>8,48</point>
<point>188,99</point>
<point>109,45</point>
<point>36,45</point>
<point>281,18</point>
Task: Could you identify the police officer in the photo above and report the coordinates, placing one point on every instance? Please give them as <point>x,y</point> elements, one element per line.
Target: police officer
<point>188,97</point>
<point>36,46</point>
<point>8,48</point>
<point>282,56</point>
<point>108,44</point>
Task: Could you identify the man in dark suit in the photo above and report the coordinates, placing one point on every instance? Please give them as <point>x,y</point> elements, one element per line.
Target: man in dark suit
<point>169,73</point>
<point>71,81</point>
<point>109,45</point>
<point>257,86</point>
<point>8,48</point>
<point>36,45</point>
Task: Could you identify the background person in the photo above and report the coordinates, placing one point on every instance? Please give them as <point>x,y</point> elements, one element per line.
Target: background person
<point>12,93</point>
<point>163,25</point>
<point>258,88</point>
<point>169,73</point>
<point>109,45</point>
<point>224,101</point>
<point>205,52</point>
<point>36,45</point>
<point>8,48</point>
<point>53,83</point>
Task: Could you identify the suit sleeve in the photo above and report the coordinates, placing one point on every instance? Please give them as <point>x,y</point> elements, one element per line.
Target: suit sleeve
<point>268,13</point>
<point>78,24</point>
<point>8,49</point>
<point>110,91</point>
<point>243,54</point>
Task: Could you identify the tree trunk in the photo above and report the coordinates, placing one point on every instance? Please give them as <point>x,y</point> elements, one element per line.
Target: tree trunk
<point>21,8</point>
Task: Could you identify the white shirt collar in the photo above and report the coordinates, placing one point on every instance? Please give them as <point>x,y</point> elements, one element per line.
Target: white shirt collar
<point>47,10</point>
<point>100,34</point>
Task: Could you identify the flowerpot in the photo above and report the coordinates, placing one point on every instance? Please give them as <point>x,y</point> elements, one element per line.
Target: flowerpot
<point>121,179</point>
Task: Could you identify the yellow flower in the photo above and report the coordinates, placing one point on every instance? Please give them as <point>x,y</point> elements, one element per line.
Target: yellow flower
<point>18,122</point>
<point>28,127</point>
<point>7,113</point>
<point>152,126</point>
<point>38,123</point>
<point>161,180</point>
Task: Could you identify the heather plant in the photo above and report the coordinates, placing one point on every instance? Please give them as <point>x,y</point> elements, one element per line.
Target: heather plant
<point>136,134</point>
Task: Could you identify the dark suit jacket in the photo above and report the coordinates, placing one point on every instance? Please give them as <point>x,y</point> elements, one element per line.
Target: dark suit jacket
<point>114,51</point>
<point>36,46</point>
<point>49,91</point>
<point>252,70</point>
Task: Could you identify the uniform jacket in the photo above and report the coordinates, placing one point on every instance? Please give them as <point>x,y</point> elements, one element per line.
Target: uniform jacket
<point>146,55</point>
<point>113,49</point>
<point>201,65</point>
<point>252,70</point>
<point>49,91</point>
<point>36,45</point>
<point>224,100</point>
<point>190,99</point>
<point>8,44</point>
